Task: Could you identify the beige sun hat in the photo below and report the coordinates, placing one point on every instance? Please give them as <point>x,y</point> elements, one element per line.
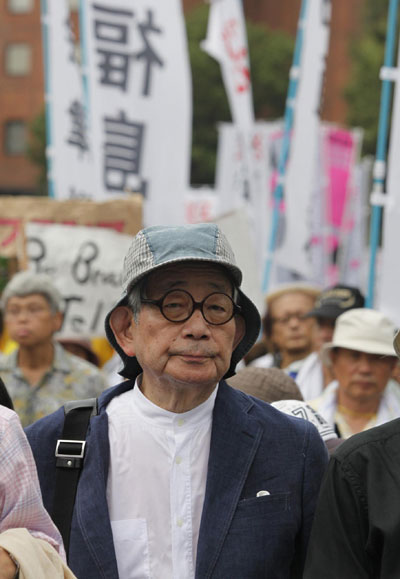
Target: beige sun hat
<point>268,384</point>
<point>295,287</point>
<point>364,330</point>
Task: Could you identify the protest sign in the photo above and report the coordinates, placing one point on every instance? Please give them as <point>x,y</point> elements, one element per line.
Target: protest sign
<point>200,205</point>
<point>227,42</point>
<point>245,179</point>
<point>388,273</point>
<point>85,264</point>
<point>237,229</point>
<point>137,73</point>
<point>302,163</point>
<point>123,215</point>
<point>69,148</point>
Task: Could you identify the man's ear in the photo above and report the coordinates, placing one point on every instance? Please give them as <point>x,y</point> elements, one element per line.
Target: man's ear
<point>123,326</point>
<point>240,330</point>
<point>58,321</point>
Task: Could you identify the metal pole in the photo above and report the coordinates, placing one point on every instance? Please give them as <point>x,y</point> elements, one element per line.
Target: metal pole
<point>47,91</point>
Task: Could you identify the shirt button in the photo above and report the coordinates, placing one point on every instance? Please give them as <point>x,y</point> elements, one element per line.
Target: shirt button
<point>179,522</point>
<point>181,421</point>
<point>178,460</point>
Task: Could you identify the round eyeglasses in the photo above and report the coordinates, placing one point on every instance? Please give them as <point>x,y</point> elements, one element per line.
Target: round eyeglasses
<point>178,305</point>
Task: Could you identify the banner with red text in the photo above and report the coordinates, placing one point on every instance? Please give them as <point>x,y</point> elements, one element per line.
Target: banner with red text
<point>226,41</point>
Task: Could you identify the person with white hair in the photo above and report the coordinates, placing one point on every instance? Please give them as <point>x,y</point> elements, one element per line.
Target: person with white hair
<point>362,359</point>
<point>40,374</point>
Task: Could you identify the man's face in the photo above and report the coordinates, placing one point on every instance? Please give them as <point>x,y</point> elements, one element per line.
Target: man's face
<point>290,331</point>
<point>30,321</point>
<point>192,351</point>
<point>362,377</point>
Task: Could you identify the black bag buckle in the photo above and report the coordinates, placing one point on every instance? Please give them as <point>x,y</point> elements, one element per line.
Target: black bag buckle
<point>70,453</point>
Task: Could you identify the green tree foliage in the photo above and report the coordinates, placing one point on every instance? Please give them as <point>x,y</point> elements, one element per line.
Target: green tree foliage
<point>364,89</point>
<point>36,151</point>
<point>270,59</point>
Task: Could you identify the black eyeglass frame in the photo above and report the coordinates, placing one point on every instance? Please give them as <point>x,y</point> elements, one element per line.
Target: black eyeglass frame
<point>195,306</point>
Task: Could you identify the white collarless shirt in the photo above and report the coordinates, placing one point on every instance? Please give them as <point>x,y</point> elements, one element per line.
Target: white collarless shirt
<point>156,485</point>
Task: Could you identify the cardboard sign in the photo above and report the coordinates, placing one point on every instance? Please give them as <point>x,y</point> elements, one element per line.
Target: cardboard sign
<point>86,266</point>
<point>122,215</point>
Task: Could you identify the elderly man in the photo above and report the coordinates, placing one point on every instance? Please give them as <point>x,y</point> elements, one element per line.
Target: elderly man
<point>356,532</point>
<point>288,332</point>
<point>40,375</point>
<point>314,376</point>
<point>185,476</point>
<point>362,359</point>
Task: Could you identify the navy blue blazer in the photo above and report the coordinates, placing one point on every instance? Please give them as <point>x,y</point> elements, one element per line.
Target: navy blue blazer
<point>254,447</point>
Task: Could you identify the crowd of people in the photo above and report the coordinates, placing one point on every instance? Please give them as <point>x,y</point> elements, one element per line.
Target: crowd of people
<point>214,443</point>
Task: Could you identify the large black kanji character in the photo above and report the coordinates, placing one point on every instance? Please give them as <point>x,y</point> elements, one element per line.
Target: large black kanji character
<point>114,64</point>
<point>148,54</point>
<point>122,154</point>
<point>78,134</point>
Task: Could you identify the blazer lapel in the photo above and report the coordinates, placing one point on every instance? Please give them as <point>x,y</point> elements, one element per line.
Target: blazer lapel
<point>92,509</point>
<point>234,441</point>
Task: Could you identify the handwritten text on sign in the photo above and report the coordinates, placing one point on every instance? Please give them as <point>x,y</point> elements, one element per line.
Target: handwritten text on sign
<point>85,264</point>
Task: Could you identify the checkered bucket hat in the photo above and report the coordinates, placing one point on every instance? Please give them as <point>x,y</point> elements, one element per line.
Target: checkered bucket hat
<point>158,246</point>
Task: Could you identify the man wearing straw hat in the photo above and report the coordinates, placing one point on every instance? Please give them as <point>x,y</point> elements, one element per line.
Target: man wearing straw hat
<point>356,531</point>
<point>362,358</point>
<point>185,476</point>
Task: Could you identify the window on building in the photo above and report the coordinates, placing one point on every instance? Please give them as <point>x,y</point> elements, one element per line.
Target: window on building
<point>20,6</point>
<point>15,138</point>
<point>18,59</point>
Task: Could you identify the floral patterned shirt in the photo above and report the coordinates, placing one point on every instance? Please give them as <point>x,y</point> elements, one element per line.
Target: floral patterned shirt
<point>69,378</point>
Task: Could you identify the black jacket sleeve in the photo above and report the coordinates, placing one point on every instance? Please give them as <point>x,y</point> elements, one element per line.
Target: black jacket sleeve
<point>340,529</point>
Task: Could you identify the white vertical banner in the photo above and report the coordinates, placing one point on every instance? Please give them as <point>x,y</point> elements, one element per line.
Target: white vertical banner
<point>139,90</point>
<point>245,181</point>
<point>68,151</point>
<point>352,262</point>
<point>237,229</point>
<point>303,159</point>
<point>226,41</point>
<point>389,273</point>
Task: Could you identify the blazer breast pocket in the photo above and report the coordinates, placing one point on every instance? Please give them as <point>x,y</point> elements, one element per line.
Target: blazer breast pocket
<point>257,511</point>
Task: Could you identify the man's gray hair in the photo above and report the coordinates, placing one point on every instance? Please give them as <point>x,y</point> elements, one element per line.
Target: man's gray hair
<point>134,299</point>
<point>26,283</point>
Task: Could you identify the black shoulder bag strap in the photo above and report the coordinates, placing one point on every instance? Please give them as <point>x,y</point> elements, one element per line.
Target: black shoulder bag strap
<point>70,452</point>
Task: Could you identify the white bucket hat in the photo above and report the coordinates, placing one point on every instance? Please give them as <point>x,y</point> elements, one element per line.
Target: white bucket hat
<point>364,330</point>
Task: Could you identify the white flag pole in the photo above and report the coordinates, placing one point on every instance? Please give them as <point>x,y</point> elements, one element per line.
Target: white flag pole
<point>284,152</point>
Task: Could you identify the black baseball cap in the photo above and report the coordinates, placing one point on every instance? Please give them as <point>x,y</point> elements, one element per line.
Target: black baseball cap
<point>335,300</point>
